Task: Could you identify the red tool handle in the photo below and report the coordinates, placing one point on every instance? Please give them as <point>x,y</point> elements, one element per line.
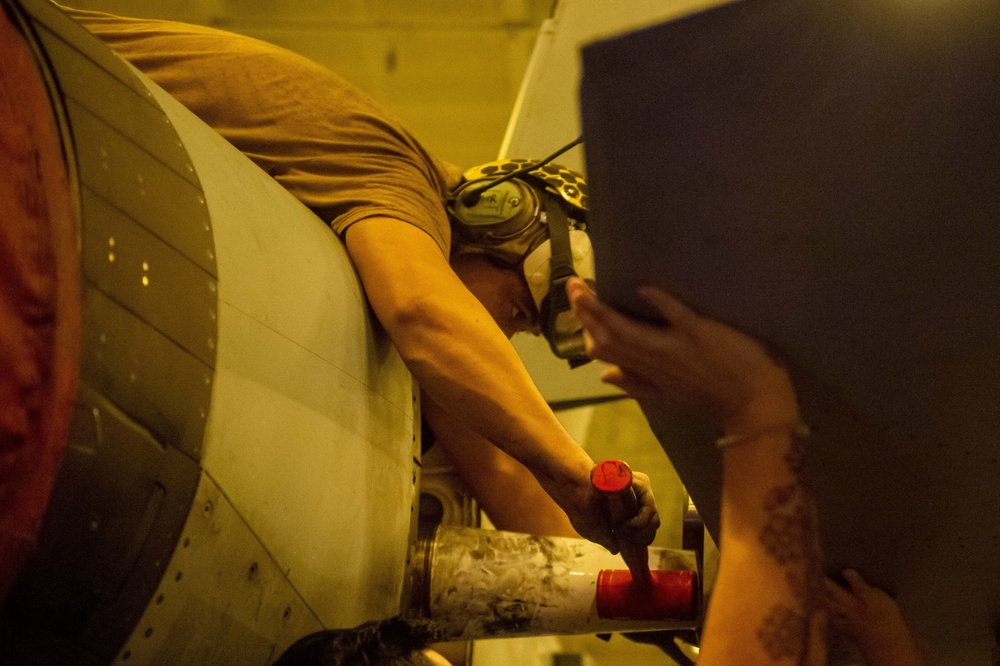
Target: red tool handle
<point>613,478</point>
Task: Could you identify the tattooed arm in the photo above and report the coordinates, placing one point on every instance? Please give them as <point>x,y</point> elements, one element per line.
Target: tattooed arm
<point>767,605</point>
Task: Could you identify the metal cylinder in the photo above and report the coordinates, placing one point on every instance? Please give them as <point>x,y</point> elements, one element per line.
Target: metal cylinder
<point>228,365</point>
<point>478,583</point>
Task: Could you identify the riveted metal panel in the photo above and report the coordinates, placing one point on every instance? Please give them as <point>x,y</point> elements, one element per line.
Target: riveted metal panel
<point>144,373</point>
<point>114,518</point>
<point>305,383</point>
<point>149,277</point>
<point>142,187</point>
<point>272,456</point>
<point>133,114</point>
<point>47,14</point>
<point>223,600</point>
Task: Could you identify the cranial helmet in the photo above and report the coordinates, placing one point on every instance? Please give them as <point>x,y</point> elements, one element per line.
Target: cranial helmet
<point>534,216</point>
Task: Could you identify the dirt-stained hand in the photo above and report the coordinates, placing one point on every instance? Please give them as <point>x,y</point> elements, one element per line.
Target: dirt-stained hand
<point>587,511</point>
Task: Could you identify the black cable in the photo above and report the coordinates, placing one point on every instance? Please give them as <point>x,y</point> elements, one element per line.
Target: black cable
<point>472,195</point>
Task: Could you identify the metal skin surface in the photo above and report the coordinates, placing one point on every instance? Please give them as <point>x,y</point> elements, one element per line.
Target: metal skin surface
<point>312,434</point>
<point>228,360</point>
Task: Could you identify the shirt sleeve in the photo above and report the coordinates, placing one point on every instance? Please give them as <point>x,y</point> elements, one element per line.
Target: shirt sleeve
<point>329,144</point>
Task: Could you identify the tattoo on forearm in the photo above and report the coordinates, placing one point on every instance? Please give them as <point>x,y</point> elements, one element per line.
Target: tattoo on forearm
<point>790,537</point>
<point>789,524</point>
<point>783,633</point>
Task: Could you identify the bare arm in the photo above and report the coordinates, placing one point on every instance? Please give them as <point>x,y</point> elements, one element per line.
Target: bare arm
<point>767,605</point>
<point>508,493</point>
<point>466,365</point>
<point>770,560</point>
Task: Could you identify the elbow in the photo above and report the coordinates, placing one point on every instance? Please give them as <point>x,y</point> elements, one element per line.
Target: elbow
<point>404,318</point>
<point>415,327</point>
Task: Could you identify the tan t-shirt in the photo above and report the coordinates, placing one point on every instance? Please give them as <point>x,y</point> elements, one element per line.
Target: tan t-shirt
<point>330,145</point>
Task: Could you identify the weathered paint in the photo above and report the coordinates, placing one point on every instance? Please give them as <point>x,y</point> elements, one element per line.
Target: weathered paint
<point>666,594</point>
<point>489,583</point>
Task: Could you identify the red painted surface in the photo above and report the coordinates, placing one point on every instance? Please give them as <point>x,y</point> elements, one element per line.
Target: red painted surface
<point>611,476</point>
<point>39,302</point>
<point>671,596</point>
<point>614,479</point>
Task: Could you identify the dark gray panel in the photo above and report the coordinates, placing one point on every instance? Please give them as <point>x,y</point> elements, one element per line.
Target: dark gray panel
<point>149,278</point>
<point>824,175</point>
<point>134,115</point>
<point>222,584</point>
<point>140,185</point>
<point>851,185</point>
<point>142,372</point>
<point>49,15</point>
<point>114,518</point>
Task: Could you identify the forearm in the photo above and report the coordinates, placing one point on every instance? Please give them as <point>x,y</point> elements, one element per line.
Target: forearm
<point>770,554</point>
<point>458,354</point>
<point>508,493</point>
<point>469,368</point>
<point>767,605</point>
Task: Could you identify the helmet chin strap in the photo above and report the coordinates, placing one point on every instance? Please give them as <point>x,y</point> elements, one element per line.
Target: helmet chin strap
<point>559,325</point>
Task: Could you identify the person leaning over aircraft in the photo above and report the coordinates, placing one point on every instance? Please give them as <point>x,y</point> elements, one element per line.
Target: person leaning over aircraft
<point>448,307</point>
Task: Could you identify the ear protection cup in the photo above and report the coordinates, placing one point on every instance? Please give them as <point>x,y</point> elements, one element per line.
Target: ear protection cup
<point>535,219</point>
<point>499,213</point>
<point>507,220</point>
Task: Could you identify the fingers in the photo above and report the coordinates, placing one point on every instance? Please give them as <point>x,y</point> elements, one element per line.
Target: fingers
<point>637,387</point>
<point>642,527</point>
<point>642,488</point>
<point>842,608</point>
<point>639,529</point>
<point>592,313</point>
<point>837,598</point>
<point>575,287</point>
<point>616,338</point>
<point>601,320</point>
<point>856,583</point>
<point>673,311</point>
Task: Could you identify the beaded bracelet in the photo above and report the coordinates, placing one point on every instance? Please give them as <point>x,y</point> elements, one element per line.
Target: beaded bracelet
<point>800,431</point>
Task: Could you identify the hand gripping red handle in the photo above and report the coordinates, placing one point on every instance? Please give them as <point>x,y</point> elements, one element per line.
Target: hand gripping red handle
<point>613,478</point>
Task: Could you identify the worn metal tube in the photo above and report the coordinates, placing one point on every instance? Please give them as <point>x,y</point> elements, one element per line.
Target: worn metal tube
<point>478,583</point>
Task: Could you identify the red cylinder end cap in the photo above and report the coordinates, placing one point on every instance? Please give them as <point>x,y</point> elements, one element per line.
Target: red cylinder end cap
<point>670,597</point>
<point>611,476</point>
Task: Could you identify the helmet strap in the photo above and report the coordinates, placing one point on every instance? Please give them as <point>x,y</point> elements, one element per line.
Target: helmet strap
<point>558,323</point>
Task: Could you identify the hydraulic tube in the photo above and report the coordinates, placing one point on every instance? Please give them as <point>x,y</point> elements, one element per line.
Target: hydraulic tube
<point>478,583</point>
